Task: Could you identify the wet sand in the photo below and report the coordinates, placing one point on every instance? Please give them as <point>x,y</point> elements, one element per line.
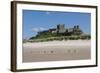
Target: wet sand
<point>57,50</point>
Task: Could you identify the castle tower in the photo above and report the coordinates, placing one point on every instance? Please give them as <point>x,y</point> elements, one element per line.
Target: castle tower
<point>61,28</point>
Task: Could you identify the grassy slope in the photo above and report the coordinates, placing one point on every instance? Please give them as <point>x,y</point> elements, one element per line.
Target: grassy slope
<point>51,37</point>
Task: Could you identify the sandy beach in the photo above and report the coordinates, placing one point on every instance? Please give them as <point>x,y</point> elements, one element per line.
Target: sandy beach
<point>57,50</point>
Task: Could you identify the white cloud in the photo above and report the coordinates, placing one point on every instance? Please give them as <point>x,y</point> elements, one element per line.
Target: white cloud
<point>47,13</point>
<point>38,29</point>
<point>41,28</point>
<point>35,29</point>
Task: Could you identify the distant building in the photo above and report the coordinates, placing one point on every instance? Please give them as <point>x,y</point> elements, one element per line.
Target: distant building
<point>60,29</point>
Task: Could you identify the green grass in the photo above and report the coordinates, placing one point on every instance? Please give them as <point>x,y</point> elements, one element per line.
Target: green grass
<point>43,38</point>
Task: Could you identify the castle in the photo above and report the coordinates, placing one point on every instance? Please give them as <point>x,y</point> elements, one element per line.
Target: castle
<point>61,30</point>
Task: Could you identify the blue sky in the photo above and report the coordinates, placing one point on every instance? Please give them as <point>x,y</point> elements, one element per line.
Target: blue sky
<point>34,21</point>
